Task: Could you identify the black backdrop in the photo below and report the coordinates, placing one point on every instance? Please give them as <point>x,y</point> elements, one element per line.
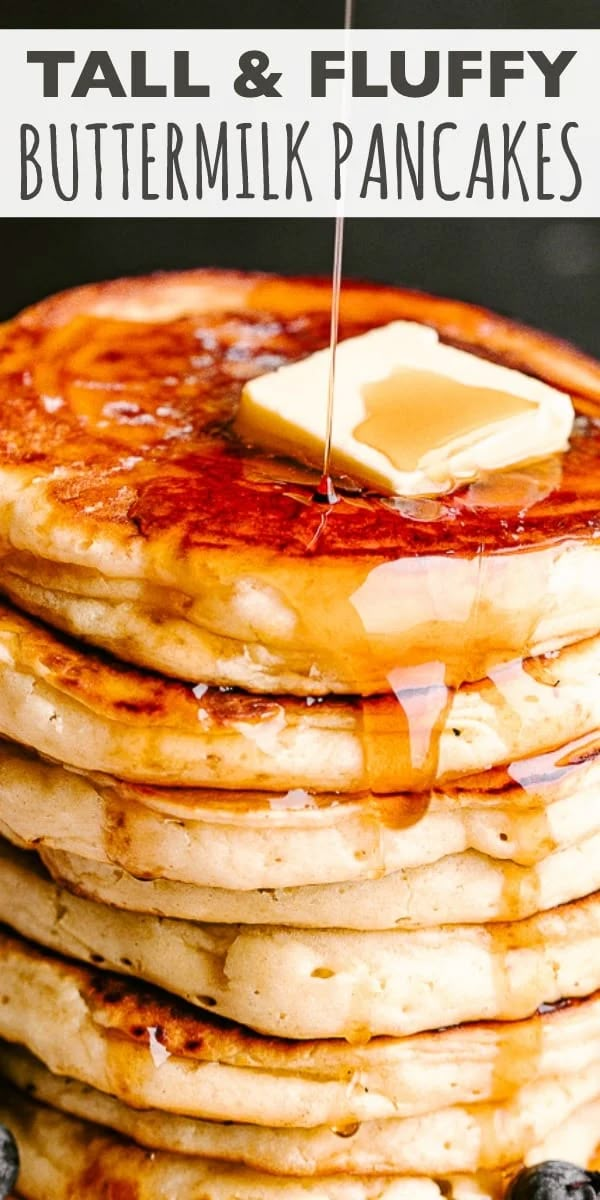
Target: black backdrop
<point>547,272</point>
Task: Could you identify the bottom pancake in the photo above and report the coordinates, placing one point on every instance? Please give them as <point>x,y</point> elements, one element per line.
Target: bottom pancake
<point>452,1140</point>
<point>153,1052</point>
<point>63,1157</point>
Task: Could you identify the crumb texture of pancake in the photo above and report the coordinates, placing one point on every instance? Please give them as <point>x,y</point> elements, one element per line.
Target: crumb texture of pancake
<point>65,1157</point>
<point>233,840</point>
<point>132,517</point>
<point>320,983</point>
<point>96,714</point>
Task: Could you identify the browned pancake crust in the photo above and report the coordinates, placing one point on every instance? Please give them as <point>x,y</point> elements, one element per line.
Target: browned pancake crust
<point>144,424</point>
<point>129,1009</point>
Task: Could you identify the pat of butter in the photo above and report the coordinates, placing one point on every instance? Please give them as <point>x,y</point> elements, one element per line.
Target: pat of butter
<point>411,415</point>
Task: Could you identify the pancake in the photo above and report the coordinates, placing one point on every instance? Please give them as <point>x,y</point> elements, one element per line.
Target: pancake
<point>460,889</point>
<point>131,516</point>
<point>465,1140</point>
<point>64,1157</point>
<point>97,714</point>
<point>220,839</point>
<point>150,1051</point>
<point>303,983</point>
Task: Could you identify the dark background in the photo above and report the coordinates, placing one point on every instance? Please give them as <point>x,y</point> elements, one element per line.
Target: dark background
<point>546,272</point>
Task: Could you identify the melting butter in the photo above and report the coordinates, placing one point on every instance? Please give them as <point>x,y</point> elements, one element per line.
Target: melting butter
<point>413,412</point>
<point>412,416</point>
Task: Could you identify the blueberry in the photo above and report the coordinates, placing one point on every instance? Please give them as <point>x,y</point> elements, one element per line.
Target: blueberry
<point>555,1181</point>
<point>9,1162</point>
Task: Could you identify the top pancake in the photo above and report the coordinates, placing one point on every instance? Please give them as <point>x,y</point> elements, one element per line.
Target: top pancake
<point>132,517</point>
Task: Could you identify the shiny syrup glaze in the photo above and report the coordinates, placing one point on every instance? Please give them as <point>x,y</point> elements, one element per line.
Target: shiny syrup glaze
<point>412,411</point>
<point>140,414</point>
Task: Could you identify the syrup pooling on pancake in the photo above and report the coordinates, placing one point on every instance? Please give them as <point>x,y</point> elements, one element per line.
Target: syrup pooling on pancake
<point>127,428</point>
<point>166,387</point>
<point>394,408</point>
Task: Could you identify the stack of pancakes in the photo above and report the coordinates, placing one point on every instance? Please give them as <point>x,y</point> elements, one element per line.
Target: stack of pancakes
<point>300,805</point>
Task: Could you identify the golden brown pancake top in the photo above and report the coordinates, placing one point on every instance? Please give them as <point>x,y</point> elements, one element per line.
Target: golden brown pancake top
<point>132,420</point>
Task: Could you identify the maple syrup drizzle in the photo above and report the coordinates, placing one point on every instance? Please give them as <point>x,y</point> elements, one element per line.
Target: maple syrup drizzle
<point>325,492</point>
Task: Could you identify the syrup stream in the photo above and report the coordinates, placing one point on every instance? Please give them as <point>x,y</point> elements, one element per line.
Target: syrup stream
<point>326,493</point>
<point>338,254</point>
